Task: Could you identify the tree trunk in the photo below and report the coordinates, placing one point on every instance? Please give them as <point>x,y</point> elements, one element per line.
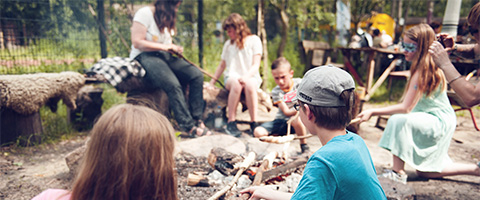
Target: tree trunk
<point>262,33</point>
<point>26,129</point>
<point>281,9</point>
<point>284,34</point>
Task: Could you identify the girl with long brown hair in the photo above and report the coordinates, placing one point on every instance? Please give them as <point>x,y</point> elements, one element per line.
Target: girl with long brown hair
<point>240,67</point>
<point>152,30</point>
<point>129,156</point>
<point>422,124</point>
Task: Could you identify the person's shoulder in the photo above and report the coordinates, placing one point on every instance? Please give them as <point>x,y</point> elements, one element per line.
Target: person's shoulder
<point>53,194</point>
<point>276,89</point>
<point>145,10</point>
<point>253,37</point>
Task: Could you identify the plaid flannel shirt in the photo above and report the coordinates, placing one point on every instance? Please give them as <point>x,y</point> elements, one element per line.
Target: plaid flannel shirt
<point>117,69</point>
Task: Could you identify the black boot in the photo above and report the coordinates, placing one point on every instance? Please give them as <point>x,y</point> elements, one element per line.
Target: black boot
<point>253,125</point>
<point>232,129</point>
<point>304,148</point>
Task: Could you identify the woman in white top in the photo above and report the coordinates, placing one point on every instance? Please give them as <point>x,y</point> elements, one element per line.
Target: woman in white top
<point>152,30</point>
<point>240,66</point>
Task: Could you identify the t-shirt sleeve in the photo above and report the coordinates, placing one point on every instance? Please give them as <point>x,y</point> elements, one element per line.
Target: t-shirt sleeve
<point>257,45</point>
<point>318,182</point>
<point>224,50</point>
<point>57,194</point>
<point>144,16</point>
<point>276,95</point>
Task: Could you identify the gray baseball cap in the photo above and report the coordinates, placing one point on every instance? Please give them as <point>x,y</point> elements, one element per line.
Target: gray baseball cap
<point>322,86</point>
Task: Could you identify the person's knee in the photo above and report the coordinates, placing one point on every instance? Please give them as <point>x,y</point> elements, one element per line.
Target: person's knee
<point>260,132</point>
<point>196,75</point>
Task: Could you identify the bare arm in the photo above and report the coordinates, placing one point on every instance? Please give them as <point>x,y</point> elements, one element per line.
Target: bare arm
<point>262,192</point>
<point>409,102</point>
<point>218,72</point>
<point>469,93</point>
<point>465,50</point>
<point>285,109</point>
<point>254,69</point>
<point>139,41</point>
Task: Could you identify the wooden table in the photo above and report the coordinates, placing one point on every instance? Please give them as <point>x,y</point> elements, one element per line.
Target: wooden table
<point>369,85</point>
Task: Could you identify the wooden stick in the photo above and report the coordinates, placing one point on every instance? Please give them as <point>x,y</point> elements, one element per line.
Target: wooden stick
<point>245,165</point>
<point>356,120</point>
<point>266,164</point>
<point>289,138</point>
<point>202,70</point>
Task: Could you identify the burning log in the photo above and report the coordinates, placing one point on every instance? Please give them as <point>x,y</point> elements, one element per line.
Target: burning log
<point>245,165</point>
<point>223,161</point>
<point>266,164</point>
<point>286,168</point>
<point>197,180</point>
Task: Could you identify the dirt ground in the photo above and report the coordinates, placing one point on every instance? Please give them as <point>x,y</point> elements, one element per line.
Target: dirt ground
<point>25,172</point>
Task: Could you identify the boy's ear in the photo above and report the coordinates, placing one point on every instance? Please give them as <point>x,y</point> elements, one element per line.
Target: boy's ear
<point>291,72</point>
<point>308,112</point>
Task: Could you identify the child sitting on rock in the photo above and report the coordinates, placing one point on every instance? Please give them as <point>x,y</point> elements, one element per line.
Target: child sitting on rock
<point>283,76</point>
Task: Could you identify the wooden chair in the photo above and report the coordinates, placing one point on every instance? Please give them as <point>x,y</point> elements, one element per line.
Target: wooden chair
<point>317,53</point>
<point>455,100</point>
<point>396,75</point>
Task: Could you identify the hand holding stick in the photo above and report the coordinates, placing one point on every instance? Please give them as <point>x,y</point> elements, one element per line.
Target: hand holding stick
<point>245,165</point>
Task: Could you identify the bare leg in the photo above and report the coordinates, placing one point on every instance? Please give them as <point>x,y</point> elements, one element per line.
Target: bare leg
<point>251,98</point>
<point>300,129</point>
<point>453,169</point>
<point>234,92</point>
<point>260,132</point>
<point>398,165</point>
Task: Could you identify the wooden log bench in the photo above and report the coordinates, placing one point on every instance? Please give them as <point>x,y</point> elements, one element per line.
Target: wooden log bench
<point>22,96</point>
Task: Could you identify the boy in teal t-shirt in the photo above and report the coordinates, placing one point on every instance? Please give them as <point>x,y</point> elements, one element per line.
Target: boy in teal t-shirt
<point>342,168</point>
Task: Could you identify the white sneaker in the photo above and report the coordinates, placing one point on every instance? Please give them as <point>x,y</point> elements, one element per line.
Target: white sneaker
<point>394,176</point>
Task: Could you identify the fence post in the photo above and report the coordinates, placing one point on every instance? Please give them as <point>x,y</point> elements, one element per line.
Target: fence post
<point>200,32</point>
<point>101,21</point>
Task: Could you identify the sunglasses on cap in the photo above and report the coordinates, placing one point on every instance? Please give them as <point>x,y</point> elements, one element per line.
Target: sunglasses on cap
<point>472,30</point>
<point>409,47</point>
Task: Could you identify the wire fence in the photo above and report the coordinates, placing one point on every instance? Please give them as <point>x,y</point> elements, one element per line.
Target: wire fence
<point>45,35</point>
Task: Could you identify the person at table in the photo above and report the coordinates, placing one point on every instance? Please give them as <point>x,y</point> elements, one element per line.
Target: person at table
<point>240,66</point>
<point>469,92</point>
<point>151,34</point>
<point>421,126</point>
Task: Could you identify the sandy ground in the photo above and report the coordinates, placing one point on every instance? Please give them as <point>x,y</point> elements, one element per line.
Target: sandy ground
<point>25,172</point>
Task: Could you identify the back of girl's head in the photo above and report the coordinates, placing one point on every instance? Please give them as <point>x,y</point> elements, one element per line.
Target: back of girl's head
<point>129,156</point>
<point>236,22</point>
<point>431,76</point>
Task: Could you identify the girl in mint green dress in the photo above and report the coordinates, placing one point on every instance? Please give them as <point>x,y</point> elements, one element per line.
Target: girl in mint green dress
<point>421,126</point>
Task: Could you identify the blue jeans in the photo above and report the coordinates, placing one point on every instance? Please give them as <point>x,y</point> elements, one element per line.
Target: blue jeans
<point>172,75</point>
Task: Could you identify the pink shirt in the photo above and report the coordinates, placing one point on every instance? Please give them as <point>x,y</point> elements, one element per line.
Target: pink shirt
<point>53,194</point>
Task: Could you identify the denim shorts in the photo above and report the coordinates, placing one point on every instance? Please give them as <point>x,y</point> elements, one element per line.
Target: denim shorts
<point>277,127</point>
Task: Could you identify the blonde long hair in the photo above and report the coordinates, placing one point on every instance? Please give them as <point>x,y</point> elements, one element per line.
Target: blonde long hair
<point>129,156</point>
<point>430,75</point>
<point>236,22</point>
